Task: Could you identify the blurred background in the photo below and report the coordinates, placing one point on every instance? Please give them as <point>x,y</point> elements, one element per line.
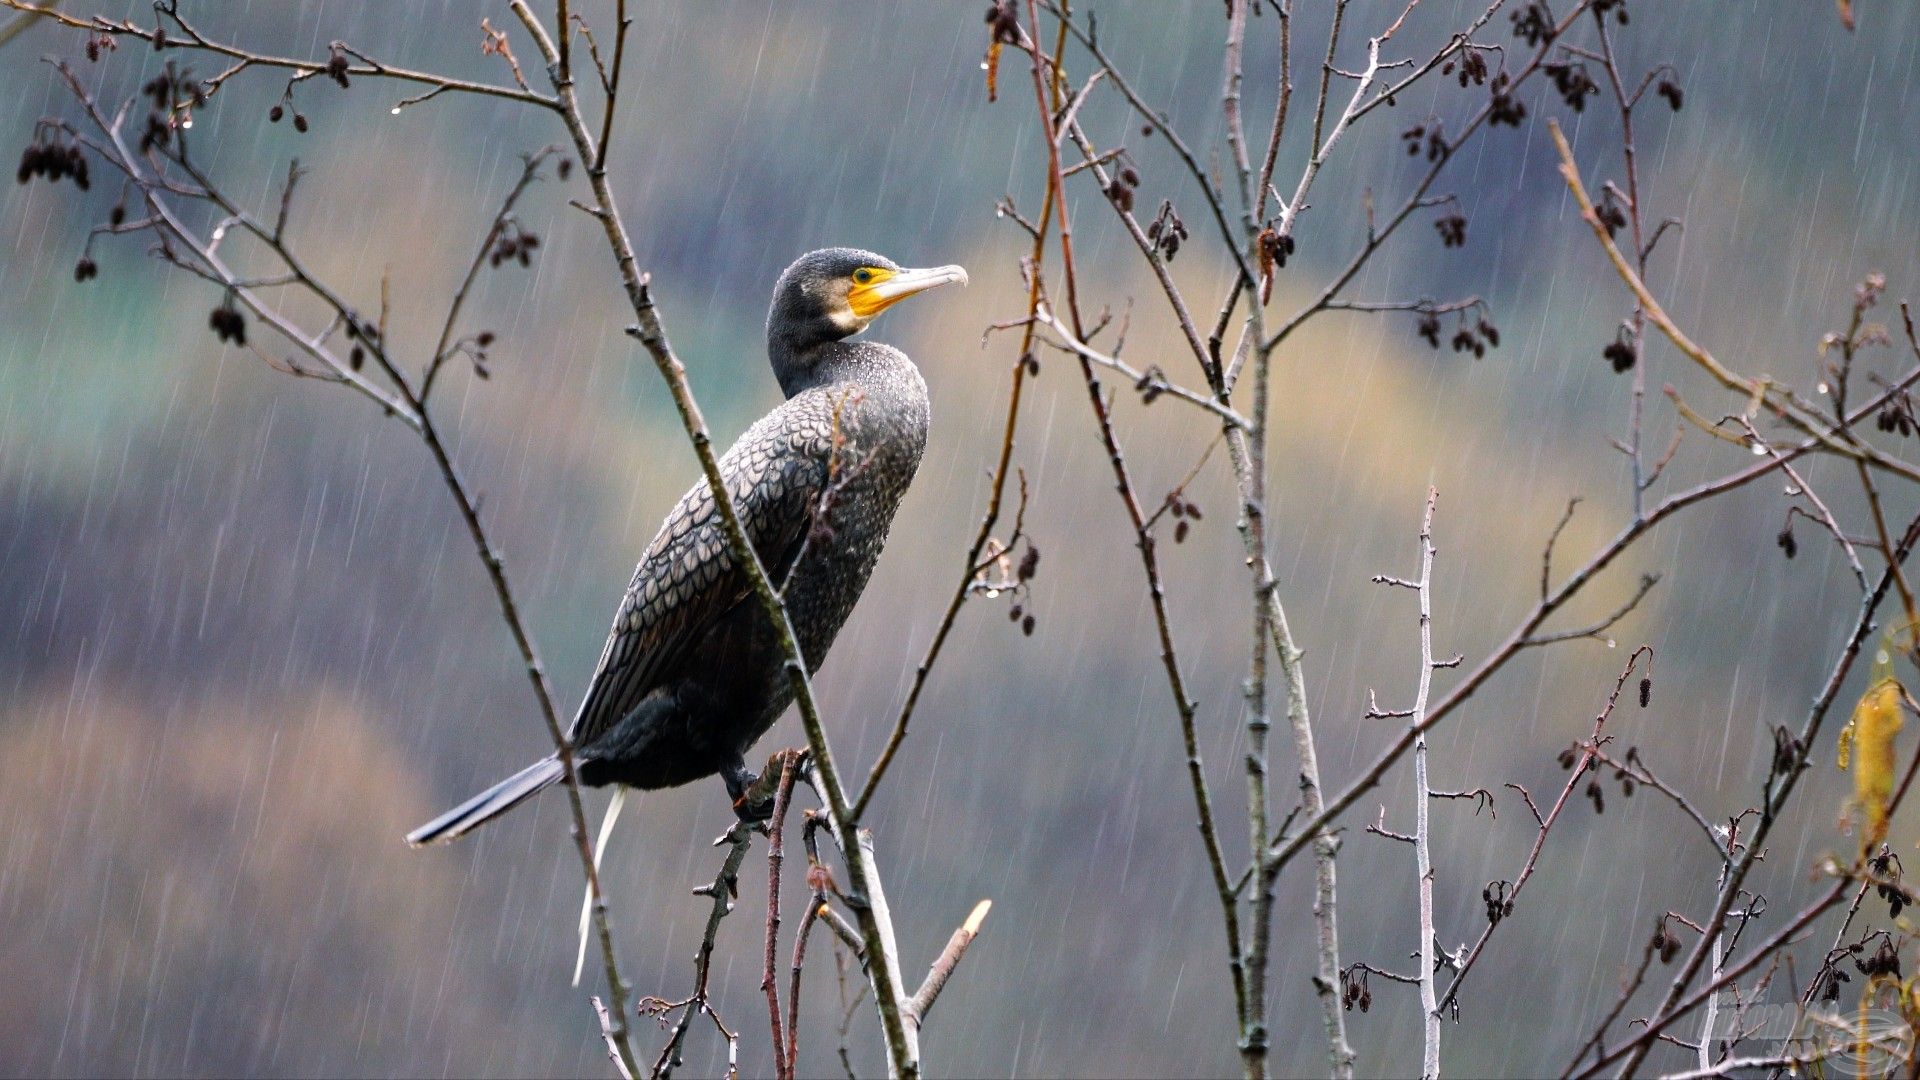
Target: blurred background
<point>245,645</point>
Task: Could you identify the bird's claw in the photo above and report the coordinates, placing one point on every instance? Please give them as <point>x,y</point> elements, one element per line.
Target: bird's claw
<point>755,802</point>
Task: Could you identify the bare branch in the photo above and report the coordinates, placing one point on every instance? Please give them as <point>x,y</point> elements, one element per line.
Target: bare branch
<point>1149,382</point>
<point>1422,792</point>
<point>722,890</point>
<point>192,39</point>
<point>1499,906</point>
<point>776,830</point>
<point>606,1034</point>
<point>1597,631</point>
<point>944,964</point>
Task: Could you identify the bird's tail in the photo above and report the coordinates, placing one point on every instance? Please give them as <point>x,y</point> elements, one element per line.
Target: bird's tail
<point>489,804</point>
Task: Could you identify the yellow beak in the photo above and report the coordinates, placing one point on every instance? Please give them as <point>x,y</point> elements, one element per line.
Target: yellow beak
<point>877,296</point>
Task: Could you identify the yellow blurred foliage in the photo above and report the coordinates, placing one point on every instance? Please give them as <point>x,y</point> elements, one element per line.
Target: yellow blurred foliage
<point>1871,733</point>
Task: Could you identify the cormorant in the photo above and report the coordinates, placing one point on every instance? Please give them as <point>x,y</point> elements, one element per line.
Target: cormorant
<point>692,674</point>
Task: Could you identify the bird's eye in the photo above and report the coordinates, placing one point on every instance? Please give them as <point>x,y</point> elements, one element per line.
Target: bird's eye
<point>862,276</point>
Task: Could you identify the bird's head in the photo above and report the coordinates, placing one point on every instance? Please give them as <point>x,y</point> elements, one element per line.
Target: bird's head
<point>834,293</point>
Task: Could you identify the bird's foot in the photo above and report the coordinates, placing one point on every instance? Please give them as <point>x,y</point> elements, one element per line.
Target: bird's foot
<point>753,796</point>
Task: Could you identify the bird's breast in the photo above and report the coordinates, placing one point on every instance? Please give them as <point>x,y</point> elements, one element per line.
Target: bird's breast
<point>878,434</point>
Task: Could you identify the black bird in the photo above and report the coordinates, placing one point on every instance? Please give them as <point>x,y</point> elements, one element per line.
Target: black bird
<point>692,674</point>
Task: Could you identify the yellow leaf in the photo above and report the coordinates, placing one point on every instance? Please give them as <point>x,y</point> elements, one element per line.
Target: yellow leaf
<point>1870,736</point>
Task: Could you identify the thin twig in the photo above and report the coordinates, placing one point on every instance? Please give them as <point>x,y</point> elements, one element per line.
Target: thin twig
<point>1546,822</point>
<point>947,961</point>
<point>25,18</point>
<point>1637,323</point>
<point>776,829</point>
<point>1826,516</point>
<point>193,39</point>
<point>530,171</point>
<point>612,82</point>
<point>1149,381</point>
<point>721,891</point>
<point>988,519</point>
<point>606,1034</point>
<point>1636,769</point>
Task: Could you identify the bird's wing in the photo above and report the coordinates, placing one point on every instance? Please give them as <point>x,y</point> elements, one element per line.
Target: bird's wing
<point>688,578</point>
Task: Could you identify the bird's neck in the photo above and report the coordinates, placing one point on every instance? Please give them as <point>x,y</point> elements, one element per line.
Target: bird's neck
<point>803,365</point>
